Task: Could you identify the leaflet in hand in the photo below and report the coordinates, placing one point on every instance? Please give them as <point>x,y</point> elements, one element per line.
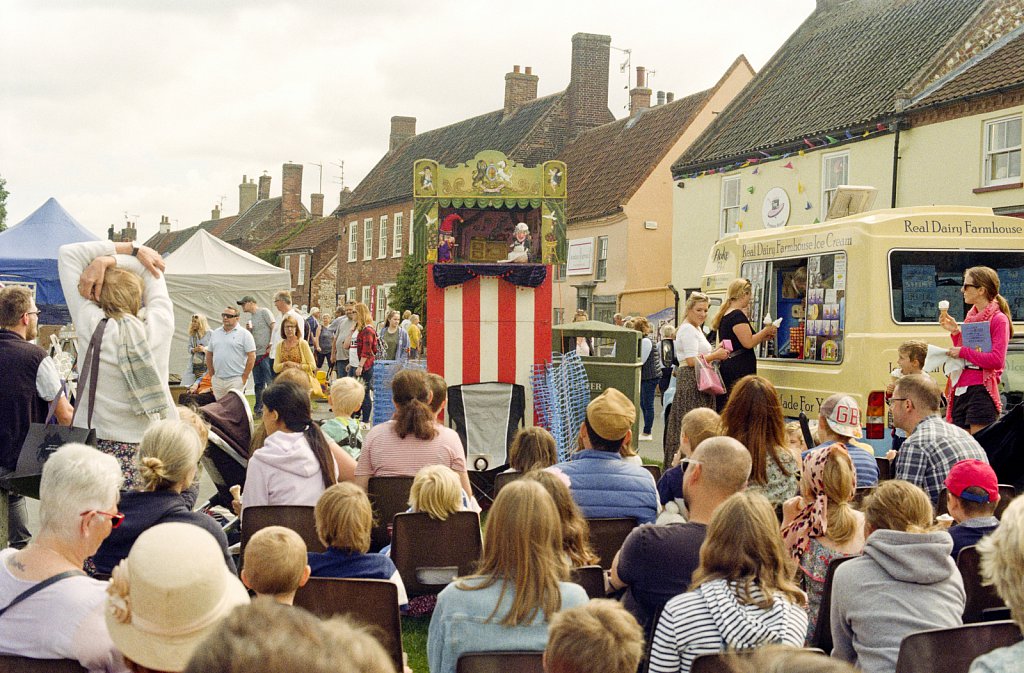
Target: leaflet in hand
<point>977,336</point>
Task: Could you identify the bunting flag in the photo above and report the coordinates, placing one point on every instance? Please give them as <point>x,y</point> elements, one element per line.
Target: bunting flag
<point>849,136</point>
<point>744,207</point>
<point>817,221</point>
<point>788,165</point>
<point>808,143</point>
<point>755,171</point>
<point>808,206</point>
<point>831,140</point>
<point>800,153</point>
<point>800,187</point>
<point>750,189</point>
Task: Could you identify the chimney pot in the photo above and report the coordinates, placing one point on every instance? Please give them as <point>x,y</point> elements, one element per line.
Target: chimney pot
<point>640,97</point>
<point>670,96</point>
<point>641,80</point>
<point>587,94</point>
<point>515,68</point>
<point>661,98</point>
<point>520,88</point>
<point>291,192</point>
<point>529,70</point>
<point>316,205</point>
<point>165,225</point>
<point>215,213</point>
<point>264,189</point>
<point>402,128</point>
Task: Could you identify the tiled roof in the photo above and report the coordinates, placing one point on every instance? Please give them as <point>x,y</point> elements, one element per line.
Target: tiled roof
<point>607,164</point>
<point>842,67</point>
<point>167,243</point>
<point>251,218</point>
<point>391,178</point>
<point>218,227</point>
<point>1000,68</point>
<point>314,234</point>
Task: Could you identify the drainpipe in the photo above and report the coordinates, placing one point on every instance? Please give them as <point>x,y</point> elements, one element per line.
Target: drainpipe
<point>675,294</point>
<point>895,161</point>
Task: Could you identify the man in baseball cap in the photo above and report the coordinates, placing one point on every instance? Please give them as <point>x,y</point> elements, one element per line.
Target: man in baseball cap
<point>972,498</point>
<point>602,483</point>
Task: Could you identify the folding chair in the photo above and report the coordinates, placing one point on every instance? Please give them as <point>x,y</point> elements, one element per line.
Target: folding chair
<point>372,602</point>
<point>591,578</point>
<point>953,650</point>
<point>12,664</point>
<point>503,479</point>
<point>607,536</point>
<point>500,662</point>
<point>486,416</point>
<point>424,549</point>
<point>884,468</point>
<point>822,636</point>
<point>979,597</point>
<point>655,471</point>
<point>298,518</point>
<point>389,496</point>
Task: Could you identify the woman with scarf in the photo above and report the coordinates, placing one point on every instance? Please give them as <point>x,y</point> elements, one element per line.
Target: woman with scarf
<point>974,396</point>
<point>106,286</point>
<point>820,524</point>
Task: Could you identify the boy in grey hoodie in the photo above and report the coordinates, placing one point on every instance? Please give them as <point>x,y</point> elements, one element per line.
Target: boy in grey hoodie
<point>905,582</point>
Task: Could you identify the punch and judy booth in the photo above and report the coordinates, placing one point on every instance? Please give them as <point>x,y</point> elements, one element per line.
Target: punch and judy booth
<point>490,231</point>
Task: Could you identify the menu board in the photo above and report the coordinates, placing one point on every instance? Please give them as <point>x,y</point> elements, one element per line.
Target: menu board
<point>919,291</point>
<point>1011,286</point>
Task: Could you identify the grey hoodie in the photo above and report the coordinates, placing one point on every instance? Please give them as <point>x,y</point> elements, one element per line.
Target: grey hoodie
<point>904,583</point>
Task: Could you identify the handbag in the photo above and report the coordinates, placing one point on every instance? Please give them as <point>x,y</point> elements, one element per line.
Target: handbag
<point>198,359</point>
<point>709,380</point>
<point>43,439</point>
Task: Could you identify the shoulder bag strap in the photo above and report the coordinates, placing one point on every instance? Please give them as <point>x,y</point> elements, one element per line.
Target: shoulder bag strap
<point>90,371</point>
<point>53,404</point>
<point>39,587</point>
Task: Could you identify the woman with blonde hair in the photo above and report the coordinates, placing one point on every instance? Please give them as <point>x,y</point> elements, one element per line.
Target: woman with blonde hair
<point>293,352</point>
<point>742,596</point>
<point>106,285</point>
<point>520,583</point>
<point>361,355</point>
<point>732,323</point>
<point>820,525</point>
<point>1002,566</point>
<point>532,449</point>
<point>168,461</point>
<point>753,416</point>
<point>575,529</point>
<point>198,341</point>
<point>905,582</point>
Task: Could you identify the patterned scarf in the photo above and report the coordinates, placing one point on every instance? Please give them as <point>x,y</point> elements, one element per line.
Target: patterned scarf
<point>989,377</point>
<point>147,393</point>
<point>812,521</point>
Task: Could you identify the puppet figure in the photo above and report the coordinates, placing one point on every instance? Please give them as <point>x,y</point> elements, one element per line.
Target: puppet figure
<point>445,249</point>
<point>519,248</point>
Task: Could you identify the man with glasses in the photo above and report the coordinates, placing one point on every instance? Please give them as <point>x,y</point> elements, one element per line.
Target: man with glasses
<point>31,382</point>
<point>261,325</point>
<point>231,354</point>
<point>933,446</point>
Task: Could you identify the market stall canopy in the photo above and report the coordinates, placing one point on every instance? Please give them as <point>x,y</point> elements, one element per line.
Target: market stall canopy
<point>28,254</point>
<point>206,275</point>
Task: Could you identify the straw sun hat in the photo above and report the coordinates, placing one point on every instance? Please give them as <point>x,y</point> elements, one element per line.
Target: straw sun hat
<point>171,591</point>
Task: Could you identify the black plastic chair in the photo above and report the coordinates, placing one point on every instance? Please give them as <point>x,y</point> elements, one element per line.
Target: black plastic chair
<point>298,518</point>
<point>12,664</point>
<point>979,597</point>
<point>607,536</point>
<point>388,496</point>
<point>591,578</point>
<point>822,636</point>
<point>503,479</point>
<point>500,662</point>
<point>421,544</point>
<point>884,468</point>
<point>953,650</point>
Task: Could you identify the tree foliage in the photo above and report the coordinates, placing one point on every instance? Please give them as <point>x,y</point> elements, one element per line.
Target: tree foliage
<point>410,290</point>
<point>3,203</point>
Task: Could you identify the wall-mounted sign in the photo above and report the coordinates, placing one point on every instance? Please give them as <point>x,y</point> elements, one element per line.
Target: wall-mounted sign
<point>775,209</point>
<point>580,260</point>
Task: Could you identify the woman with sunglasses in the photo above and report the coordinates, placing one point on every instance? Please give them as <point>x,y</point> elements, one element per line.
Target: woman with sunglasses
<point>974,396</point>
<point>63,620</point>
<point>198,340</point>
<point>168,461</point>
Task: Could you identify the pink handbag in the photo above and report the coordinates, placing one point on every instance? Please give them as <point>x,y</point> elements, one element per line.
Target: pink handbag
<point>708,379</point>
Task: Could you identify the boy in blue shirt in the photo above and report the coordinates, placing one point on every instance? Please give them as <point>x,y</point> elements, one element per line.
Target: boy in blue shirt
<point>972,500</point>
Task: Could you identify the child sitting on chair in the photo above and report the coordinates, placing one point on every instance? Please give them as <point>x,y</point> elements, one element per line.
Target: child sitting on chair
<point>346,398</point>
<point>438,392</point>
<point>532,449</point>
<point>697,425</point>
<point>344,519</point>
<point>275,564</point>
<point>436,492</point>
<point>972,498</point>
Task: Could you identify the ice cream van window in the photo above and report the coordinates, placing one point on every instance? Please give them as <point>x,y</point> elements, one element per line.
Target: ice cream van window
<point>920,279</point>
<point>808,296</point>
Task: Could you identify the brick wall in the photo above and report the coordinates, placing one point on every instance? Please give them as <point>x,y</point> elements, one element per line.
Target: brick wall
<point>989,103</point>
<point>291,192</point>
<point>376,270</point>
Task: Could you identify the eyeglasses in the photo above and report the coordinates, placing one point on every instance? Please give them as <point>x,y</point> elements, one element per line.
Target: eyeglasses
<point>689,461</point>
<point>967,285</point>
<point>115,518</point>
<point>32,312</point>
<point>895,399</point>
<point>228,315</point>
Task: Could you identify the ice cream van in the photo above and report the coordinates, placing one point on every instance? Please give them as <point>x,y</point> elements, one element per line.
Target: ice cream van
<point>849,291</point>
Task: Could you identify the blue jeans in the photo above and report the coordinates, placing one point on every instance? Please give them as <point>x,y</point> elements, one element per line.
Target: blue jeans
<point>262,376</point>
<point>648,387</point>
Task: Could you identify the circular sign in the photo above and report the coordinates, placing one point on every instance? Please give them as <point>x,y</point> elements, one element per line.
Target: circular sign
<point>775,210</point>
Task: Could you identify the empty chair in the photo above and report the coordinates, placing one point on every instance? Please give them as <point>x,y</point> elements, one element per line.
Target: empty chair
<point>591,578</point>
<point>884,468</point>
<point>430,553</point>
<point>504,478</point>
<point>12,664</point>
<point>607,536</point>
<point>370,602</point>
<point>979,597</point>
<point>298,518</point>
<point>953,650</point>
<point>822,636</point>
<point>389,496</point>
<point>501,662</point>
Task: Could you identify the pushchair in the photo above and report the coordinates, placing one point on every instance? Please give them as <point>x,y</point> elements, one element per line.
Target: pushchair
<point>1003,441</point>
<point>227,451</point>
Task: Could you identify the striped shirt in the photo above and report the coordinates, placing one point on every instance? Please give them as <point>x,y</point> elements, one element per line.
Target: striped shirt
<point>385,454</point>
<point>711,619</point>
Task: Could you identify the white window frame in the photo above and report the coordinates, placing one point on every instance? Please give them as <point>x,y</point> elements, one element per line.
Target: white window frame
<point>828,190</point>
<point>989,153</point>
<point>367,293</point>
<point>382,244</point>
<point>302,270</point>
<point>412,230</point>
<point>350,293</point>
<point>353,240</point>
<point>368,238</point>
<point>601,270</point>
<point>286,260</point>
<point>382,303</point>
<point>396,236</point>
<point>730,207</point>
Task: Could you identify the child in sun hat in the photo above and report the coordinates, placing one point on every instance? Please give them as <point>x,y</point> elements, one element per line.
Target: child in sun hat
<point>973,495</point>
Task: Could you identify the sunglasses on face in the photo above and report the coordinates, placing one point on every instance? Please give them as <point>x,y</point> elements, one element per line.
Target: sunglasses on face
<point>228,315</point>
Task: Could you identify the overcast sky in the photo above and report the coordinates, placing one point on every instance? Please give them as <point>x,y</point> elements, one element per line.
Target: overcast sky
<point>158,107</point>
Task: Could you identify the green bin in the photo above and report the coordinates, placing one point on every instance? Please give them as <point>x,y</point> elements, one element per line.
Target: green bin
<point>613,363</point>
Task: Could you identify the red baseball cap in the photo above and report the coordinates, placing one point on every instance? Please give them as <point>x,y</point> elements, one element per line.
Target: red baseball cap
<point>969,473</point>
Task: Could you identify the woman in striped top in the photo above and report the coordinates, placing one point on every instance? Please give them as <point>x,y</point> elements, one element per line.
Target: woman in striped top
<point>743,593</point>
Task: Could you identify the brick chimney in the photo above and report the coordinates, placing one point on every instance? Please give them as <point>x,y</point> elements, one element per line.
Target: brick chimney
<point>587,95</point>
<point>264,192</point>
<point>640,97</point>
<point>402,128</point>
<point>345,197</point>
<point>165,225</point>
<point>291,192</point>
<point>247,194</point>
<point>215,213</point>
<point>520,88</point>
<point>316,205</point>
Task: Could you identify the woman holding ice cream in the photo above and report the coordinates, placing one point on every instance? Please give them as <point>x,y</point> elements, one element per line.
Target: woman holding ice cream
<point>733,324</point>
<point>974,396</point>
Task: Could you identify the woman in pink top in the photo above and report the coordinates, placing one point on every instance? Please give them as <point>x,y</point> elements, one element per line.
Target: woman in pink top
<point>412,438</point>
<point>974,396</point>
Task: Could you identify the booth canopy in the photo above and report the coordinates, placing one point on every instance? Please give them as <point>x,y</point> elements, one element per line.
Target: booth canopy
<point>206,275</point>
<point>28,254</point>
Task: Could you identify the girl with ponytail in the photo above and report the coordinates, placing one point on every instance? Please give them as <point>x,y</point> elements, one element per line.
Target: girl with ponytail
<point>412,439</point>
<point>974,396</point>
<point>296,462</point>
<point>820,524</point>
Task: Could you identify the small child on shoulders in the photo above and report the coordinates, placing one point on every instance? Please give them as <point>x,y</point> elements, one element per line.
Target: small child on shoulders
<point>697,425</point>
<point>911,357</point>
<point>972,498</point>
<point>346,398</point>
<point>275,564</point>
